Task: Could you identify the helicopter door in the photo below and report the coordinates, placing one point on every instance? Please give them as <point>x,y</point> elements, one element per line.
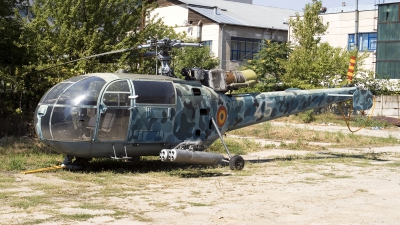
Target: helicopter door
<point>154,103</point>
<point>115,113</point>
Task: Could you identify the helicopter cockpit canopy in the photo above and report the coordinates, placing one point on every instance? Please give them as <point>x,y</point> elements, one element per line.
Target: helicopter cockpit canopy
<point>80,90</point>
<point>67,109</point>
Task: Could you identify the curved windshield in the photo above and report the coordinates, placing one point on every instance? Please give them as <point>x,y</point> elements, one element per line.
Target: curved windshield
<point>52,95</point>
<point>84,92</point>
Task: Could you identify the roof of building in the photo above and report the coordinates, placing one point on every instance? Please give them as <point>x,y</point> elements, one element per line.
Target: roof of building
<point>350,8</point>
<point>242,14</point>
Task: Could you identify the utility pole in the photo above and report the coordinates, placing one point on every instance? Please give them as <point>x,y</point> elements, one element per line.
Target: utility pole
<point>356,25</point>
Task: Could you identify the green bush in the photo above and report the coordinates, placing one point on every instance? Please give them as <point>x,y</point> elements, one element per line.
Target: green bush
<point>307,116</point>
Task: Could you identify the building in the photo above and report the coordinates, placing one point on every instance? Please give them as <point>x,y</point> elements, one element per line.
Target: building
<point>343,30</point>
<point>242,1</point>
<point>233,30</point>
<point>388,47</point>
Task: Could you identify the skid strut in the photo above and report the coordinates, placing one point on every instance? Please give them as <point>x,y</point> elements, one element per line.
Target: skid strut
<point>236,162</point>
<point>220,136</point>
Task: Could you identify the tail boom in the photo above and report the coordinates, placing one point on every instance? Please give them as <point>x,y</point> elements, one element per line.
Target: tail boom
<point>249,109</point>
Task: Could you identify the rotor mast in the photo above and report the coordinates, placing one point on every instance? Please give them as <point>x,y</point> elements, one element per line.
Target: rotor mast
<point>163,47</point>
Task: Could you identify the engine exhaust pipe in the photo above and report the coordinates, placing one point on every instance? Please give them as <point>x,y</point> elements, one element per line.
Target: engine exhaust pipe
<point>190,157</point>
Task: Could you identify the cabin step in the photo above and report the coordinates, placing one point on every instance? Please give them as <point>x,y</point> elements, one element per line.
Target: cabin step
<point>115,157</point>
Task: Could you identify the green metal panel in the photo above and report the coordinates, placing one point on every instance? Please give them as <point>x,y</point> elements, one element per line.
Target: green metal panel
<point>388,13</point>
<point>388,47</point>
<point>388,70</point>
<point>388,51</point>
<point>389,31</point>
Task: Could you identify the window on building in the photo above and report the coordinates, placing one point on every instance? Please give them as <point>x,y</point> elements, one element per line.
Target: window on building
<point>209,44</point>
<point>244,48</point>
<point>366,41</point>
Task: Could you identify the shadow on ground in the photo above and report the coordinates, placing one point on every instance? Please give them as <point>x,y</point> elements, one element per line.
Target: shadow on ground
<point>149,166</point>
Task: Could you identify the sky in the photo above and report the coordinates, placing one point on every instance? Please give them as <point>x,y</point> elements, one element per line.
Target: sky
<point>299,4</point>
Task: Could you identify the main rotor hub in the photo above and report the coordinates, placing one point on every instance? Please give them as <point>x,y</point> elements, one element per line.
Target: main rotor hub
<point>163,47</point>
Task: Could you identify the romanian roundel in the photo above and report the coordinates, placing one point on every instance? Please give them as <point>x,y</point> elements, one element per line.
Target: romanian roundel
<point>221,116</point>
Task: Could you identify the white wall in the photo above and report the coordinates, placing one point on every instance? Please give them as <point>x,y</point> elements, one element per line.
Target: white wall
<point>210,32</point>
<point>343,24</point>
<point>174,15</point>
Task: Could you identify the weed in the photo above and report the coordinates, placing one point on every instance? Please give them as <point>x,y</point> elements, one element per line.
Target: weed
<point>29,201</point>
<point>140,217</point>
<point>237,146</point>
<point>269,146</point>
<point>160,204</point>
<point>91,206</point>
<point>198,204</point>
<point>335,176</point>
<point>393,164</point>
<point>6,181</point>
<point>195,192</point>
<point>76,217</point>
<point>307,116</point>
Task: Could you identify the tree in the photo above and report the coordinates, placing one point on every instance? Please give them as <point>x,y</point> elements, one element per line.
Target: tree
<point>312,63</point>
<point>14,56</point>
<point>267,64</point>
<point>190,57</point>
<point>61,31</point>
<point>12,53</point>
<point>70,30</point>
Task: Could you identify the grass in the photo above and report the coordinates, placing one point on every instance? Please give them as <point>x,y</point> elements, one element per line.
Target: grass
<point>19,154</point>
<point>235,146</point>
<point>326,118</point>
<point>6,181</point>
<point>303,136</point>
<point>199,204</point>
<point>76,217</point>
<point>29,201</point>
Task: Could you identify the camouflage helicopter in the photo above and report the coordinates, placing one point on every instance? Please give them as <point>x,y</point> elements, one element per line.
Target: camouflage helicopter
<point>124,116</point>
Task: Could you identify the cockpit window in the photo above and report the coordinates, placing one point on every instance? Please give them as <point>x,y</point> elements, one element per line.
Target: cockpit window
<point>119,86</point>
<point>154,92</point>
<point>52,96</point>
<point>117,94</point>
<point>85,92</point>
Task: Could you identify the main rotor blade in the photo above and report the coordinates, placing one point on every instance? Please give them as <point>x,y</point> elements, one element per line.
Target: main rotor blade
<point>89,57</point>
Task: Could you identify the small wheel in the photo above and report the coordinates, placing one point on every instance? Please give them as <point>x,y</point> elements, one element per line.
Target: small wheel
<point>236,162</point>
<point>81,162</point>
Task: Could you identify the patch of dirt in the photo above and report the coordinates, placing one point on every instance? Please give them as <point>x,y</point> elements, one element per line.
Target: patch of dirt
<point>265,192</point>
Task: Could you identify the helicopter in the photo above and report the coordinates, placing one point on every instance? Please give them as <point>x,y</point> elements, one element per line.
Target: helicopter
<point>123,116</point>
